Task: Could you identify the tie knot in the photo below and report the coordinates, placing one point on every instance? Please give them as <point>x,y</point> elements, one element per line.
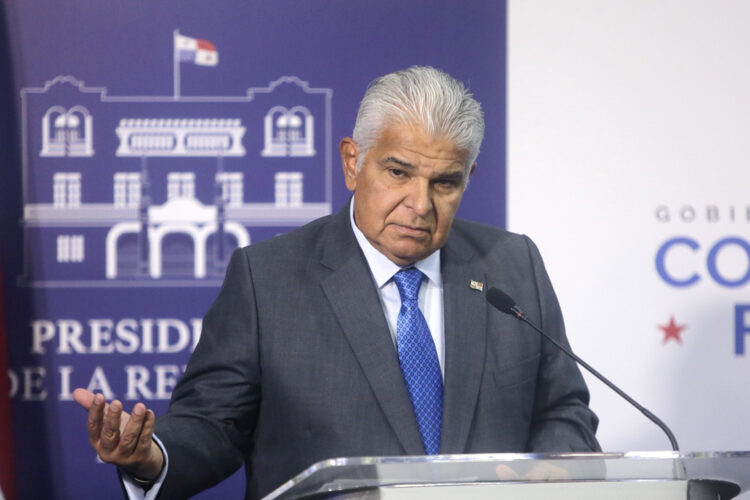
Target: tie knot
<point>408,282</point>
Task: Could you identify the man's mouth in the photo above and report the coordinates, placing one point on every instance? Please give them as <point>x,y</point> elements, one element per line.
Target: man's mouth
<point>409,230</point>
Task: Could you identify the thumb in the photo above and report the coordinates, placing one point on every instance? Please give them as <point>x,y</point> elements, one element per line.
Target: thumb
<point>83,397</point>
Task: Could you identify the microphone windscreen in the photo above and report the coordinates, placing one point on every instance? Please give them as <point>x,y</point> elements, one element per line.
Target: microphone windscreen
<point>501,300</point>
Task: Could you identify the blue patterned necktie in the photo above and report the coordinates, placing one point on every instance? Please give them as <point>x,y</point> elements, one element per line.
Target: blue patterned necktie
<point>418,359</point>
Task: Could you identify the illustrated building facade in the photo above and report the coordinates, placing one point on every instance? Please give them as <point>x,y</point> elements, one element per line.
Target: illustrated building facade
<point>130,191</point>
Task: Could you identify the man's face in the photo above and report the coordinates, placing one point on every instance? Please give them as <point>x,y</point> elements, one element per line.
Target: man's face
<point>407,191</point>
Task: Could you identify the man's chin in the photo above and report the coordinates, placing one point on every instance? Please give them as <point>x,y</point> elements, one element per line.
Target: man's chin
<point>408,257</point>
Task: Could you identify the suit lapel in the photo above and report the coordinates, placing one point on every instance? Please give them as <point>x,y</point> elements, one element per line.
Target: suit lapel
<point>352,294</point>
<point>465,320</point>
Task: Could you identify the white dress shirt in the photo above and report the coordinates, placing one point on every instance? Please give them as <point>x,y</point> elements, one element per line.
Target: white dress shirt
<point>430,293</point>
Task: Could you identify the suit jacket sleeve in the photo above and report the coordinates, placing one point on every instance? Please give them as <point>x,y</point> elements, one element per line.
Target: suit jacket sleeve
<point>213,409</point>
<point>561,419</point>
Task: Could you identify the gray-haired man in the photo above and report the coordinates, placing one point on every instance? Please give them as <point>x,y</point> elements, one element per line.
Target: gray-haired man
<point>311,350</point>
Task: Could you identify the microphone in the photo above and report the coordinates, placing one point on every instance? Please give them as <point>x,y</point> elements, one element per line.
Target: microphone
<point>504,303</point>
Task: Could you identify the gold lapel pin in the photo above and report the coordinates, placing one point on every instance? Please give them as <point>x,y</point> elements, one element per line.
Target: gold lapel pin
<point>476,285</point>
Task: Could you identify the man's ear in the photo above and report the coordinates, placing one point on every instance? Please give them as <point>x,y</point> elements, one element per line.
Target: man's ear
<point>349,155</point>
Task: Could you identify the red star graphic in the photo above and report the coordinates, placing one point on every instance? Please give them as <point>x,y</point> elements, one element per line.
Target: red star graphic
<point>672,331</point>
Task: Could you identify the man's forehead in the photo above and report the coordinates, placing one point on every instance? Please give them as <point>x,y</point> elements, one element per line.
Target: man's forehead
<point>412,143</point>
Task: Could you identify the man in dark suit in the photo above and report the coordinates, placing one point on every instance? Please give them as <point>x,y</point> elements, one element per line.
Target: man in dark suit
<point>366,332</point>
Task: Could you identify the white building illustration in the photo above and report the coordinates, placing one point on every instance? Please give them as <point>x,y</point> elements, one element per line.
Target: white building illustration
<point>158,191</point>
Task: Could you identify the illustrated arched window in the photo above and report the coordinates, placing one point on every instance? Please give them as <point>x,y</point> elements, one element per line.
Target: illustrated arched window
<point>80,141</point>
<point>178,254</point>
<point>67,132</point>
<point>301,131</point>
<point>53,138</point>
<point>288,132</point>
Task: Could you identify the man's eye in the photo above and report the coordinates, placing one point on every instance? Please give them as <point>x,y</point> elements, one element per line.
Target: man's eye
<point>397,172</point>
<point>447,183</point>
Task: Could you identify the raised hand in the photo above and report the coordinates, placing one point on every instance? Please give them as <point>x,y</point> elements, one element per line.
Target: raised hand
<point>120,438</point>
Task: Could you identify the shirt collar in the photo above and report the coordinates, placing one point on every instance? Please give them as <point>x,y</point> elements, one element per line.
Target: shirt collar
<point>383,268</point>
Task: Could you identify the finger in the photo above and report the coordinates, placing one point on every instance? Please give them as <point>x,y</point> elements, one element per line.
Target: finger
<point>505,473</point>
<point>110,435</point>
<point>147,461</point>
<point>558,473</point>
<point>143,447</point>
<point>538,472</point>
<point>545,471</point>
<point>131,430</point>
<point>96,415</point>
<point>83,397</point>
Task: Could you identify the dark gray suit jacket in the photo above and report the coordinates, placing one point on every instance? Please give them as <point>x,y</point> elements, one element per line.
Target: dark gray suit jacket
<point>296,363</point>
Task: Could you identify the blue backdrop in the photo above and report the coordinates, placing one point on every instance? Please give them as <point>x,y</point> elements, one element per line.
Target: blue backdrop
<point>122,195</point>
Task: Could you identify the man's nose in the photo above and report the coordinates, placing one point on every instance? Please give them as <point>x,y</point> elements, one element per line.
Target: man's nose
<point>419,198</point>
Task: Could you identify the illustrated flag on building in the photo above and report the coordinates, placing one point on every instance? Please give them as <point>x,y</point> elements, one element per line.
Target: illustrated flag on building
<point>195,50</point>
<point>6,442</point>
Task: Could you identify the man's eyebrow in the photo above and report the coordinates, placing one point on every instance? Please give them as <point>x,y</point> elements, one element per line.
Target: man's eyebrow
<point>393,159</point>
<point>458,175</point>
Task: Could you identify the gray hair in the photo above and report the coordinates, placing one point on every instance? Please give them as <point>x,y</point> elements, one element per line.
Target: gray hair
<point>422,96</point>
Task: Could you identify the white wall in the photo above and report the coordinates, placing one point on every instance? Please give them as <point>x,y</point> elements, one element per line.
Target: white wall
<point>615,108</point>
